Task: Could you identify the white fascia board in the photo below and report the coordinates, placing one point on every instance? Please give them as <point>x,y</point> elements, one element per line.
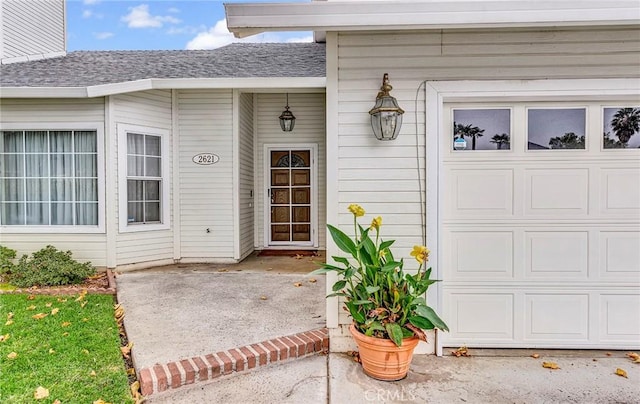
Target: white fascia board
<point>251,18</point>
<point>43,92</point>
<point>255,84</point>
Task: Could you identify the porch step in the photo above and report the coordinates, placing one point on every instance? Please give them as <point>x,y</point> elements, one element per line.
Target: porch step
<point>198,369</point>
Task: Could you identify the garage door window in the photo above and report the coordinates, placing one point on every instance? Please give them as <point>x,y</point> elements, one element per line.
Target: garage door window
<point>481,129</point>
<point>621,128</point>
<point>556,128</point>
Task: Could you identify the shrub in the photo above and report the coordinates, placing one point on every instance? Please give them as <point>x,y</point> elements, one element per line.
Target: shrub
<point>6,257</point>
<point>49,267</point>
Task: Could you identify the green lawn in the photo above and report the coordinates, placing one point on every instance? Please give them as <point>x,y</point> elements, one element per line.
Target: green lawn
<point>74,351</point>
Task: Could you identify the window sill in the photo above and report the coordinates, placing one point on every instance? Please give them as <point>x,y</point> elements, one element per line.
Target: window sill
<point>52,229</point>
<point>134,228</point>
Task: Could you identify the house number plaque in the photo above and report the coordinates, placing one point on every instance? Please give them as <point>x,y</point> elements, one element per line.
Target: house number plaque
<point>205,159</point>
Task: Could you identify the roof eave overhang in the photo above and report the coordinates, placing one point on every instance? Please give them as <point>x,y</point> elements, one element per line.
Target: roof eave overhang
<point>253,18</point>
<point>253,84</point>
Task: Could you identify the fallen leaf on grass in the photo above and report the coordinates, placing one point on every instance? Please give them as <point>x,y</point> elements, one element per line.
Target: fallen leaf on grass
<point>31,297</point>
<point>135,389</point>
<point>32,307</point>
<point>41,393</point>
<point>66,324</point>
<point>622,372</point>
<point>51,351</point>
<point>84,320</point>
<point>313,280</point>
<point>10,315</point>
<point>550,365</point>
<point>462,351</point>
<point>100,401</point>
<point>55,311</point>
<point>12,355</point>
<point>49,304</point>
<point>39,316</point>
<point>65,334</point>
<point>83,303</point>
<point>61,300</point>
<point>297,284</point>
<point>85,351</point>
<point>57,402</point>
<point>535,356</point>
<point>4,337</point>
<point>93,373</point>
<point>126,350</point>
<point>81,296</point>
<point>9,322</point>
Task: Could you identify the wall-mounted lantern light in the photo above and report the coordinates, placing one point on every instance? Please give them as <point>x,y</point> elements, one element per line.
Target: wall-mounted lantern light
<point>287,120</point>
<point>386,115</point>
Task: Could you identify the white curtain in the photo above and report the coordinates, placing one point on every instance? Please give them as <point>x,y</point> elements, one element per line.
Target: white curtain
<point>49,178</point>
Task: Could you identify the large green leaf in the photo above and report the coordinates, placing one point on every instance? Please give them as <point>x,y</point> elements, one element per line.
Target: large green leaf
<point>421,322</point>
<point>343,241</point>
<point>395,333</point>
<point>357,316</point>
<point>341,260</point>
<point>373,289</point>
<point>339,285</point>
<point>386,244</point>
<point>430,314</point>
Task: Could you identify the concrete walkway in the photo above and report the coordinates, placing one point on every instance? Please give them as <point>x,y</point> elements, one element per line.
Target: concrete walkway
<point>185,311</point>
<point>337,379</point>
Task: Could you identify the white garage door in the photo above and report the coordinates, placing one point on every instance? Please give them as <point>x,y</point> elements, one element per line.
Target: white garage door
<point>540,225</point>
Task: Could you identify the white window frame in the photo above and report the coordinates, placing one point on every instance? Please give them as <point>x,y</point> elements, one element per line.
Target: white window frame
<point>437,93</point>
<point>98,127</point>
<point>165,208</point>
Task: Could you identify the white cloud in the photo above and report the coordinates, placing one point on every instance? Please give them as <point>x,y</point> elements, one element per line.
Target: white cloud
<point>89,2</point>
<point>308,38</point>
<point>173,10</point>
<point>103,35</point>
<point>219,35</point>
<point>87,14</point>
<point>139,17</point>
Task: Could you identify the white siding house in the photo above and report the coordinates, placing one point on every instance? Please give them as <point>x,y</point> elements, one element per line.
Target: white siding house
<point>535,247</point>
<point>31,30</point>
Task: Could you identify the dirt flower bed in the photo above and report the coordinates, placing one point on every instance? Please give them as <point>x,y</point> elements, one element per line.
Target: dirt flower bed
<point>100,283</point>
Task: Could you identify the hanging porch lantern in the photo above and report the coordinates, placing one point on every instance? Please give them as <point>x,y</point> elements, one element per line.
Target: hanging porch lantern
<point>287,120</point>
<point>386,115</point>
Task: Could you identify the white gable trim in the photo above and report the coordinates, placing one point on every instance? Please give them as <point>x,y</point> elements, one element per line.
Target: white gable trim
<point>252,18</point>
<point>255,84</point>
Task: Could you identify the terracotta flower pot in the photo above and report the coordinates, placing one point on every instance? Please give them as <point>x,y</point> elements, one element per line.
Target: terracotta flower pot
<point>381,358</point>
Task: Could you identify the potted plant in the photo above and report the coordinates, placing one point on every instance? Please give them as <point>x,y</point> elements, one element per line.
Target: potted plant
<point>387,305</point>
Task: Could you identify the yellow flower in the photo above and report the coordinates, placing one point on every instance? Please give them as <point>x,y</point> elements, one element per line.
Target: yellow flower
<point>356,210</point>
<point>420,253</point>
<point>376,223</point>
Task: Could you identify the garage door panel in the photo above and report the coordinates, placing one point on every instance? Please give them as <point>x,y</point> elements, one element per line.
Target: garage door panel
<point>481,316</point>
<point>621,191</point>
<point>556,192</point>
<point>620,255</point>
<point>553,317</point>
<point>620,315</point>
<point>481,254</point>
<point>481,193</point>
<point>557,254</point>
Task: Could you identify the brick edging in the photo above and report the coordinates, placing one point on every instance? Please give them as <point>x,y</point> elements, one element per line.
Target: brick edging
<point>172,375</point>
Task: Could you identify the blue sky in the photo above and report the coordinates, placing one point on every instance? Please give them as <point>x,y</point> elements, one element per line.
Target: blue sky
<point>156,24</point>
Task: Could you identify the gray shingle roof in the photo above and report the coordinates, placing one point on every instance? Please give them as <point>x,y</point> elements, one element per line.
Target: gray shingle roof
<point>88,68</point>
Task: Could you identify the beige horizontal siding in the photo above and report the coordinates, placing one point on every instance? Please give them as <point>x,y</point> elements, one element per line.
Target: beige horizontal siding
<point>151,109</point>
<point>205,192</point>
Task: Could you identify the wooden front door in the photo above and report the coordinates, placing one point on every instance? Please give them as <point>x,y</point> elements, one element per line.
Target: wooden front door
<point>290,196</point>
